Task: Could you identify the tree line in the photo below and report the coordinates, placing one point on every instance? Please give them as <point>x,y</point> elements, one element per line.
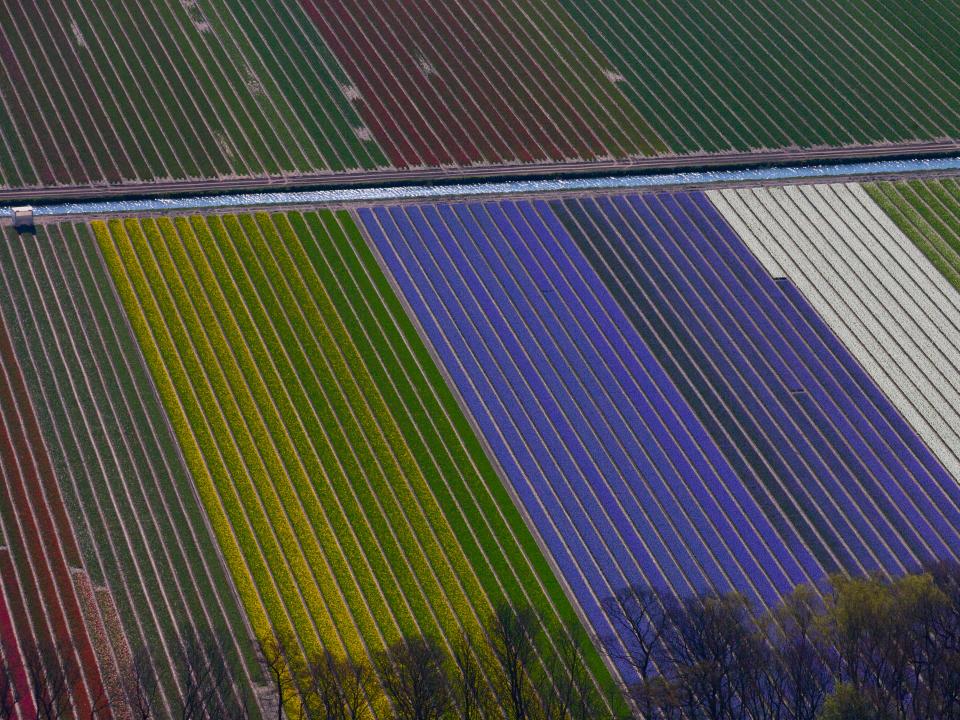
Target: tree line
<point>515,670</point>
<point>869,648</point>
<point>39,681</point>
<point>866,648</point>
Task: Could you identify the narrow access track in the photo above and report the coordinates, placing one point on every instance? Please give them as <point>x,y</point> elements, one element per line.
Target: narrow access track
<point>647,166</point>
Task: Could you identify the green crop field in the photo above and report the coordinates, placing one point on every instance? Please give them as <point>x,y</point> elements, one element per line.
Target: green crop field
<point>352,500</point>
<point>112,92</point>
<point>711,76</point>
<point>929,213</point>
<point>101,95</point>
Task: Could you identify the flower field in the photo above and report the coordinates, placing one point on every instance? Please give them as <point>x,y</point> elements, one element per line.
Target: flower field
<point>352,426</point>
<point>495,324</point>
<point>711,77</point>
<point>351,500</point>
<point>8,637</point>
<point>101,96</point>
<point>884,299</point>
<point>503,82</point>
<point>141,530</point>
<point>667,412</point>
<point>39,551</point>
<point>929,214</point>
<point>760,366</point>
<point>99,93</point>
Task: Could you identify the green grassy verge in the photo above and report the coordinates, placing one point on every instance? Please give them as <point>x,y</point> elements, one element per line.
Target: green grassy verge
<point>928,212</point>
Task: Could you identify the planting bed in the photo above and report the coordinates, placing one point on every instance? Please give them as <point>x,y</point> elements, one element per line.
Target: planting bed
<point>666,411</point>
<point>10,645</point>
<point>141,529</point>
<point>710,76</point>
<point>500,83</point>
<point>773,384</point>
<point>886,302</point>
<point>745,389</point>
<point>40,548</point>
<point>146,96</point>
<point>357,424</point>
<point>114,92</point>
<point>929,214</point>
<point>351,499</point>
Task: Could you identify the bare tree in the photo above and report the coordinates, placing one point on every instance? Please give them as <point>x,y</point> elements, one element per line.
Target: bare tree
<point>712,655</point>
<point>141,686</point>
<point>873,648</point>
<point>942,658</point>
<point>566,691</point>
<point>471,692</point>
<point>274,656</point>
<point>102,705</point>
<point>335,688</point>
<point>9,690</point>
<point>237,708</point>
<point>799,678</point>
<point>512,644</point>
<point>658,698</point>
<point>52,676</point>
<point>637,615</point>
<point>206,680</point>
<point>416,680</point>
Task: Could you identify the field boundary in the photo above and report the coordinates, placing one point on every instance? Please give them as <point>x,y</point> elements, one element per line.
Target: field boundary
<point>349,198</point>
<point>491,173</point>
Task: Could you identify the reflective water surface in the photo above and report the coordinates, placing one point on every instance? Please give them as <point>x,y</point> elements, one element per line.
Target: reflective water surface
<point>361,195</point>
